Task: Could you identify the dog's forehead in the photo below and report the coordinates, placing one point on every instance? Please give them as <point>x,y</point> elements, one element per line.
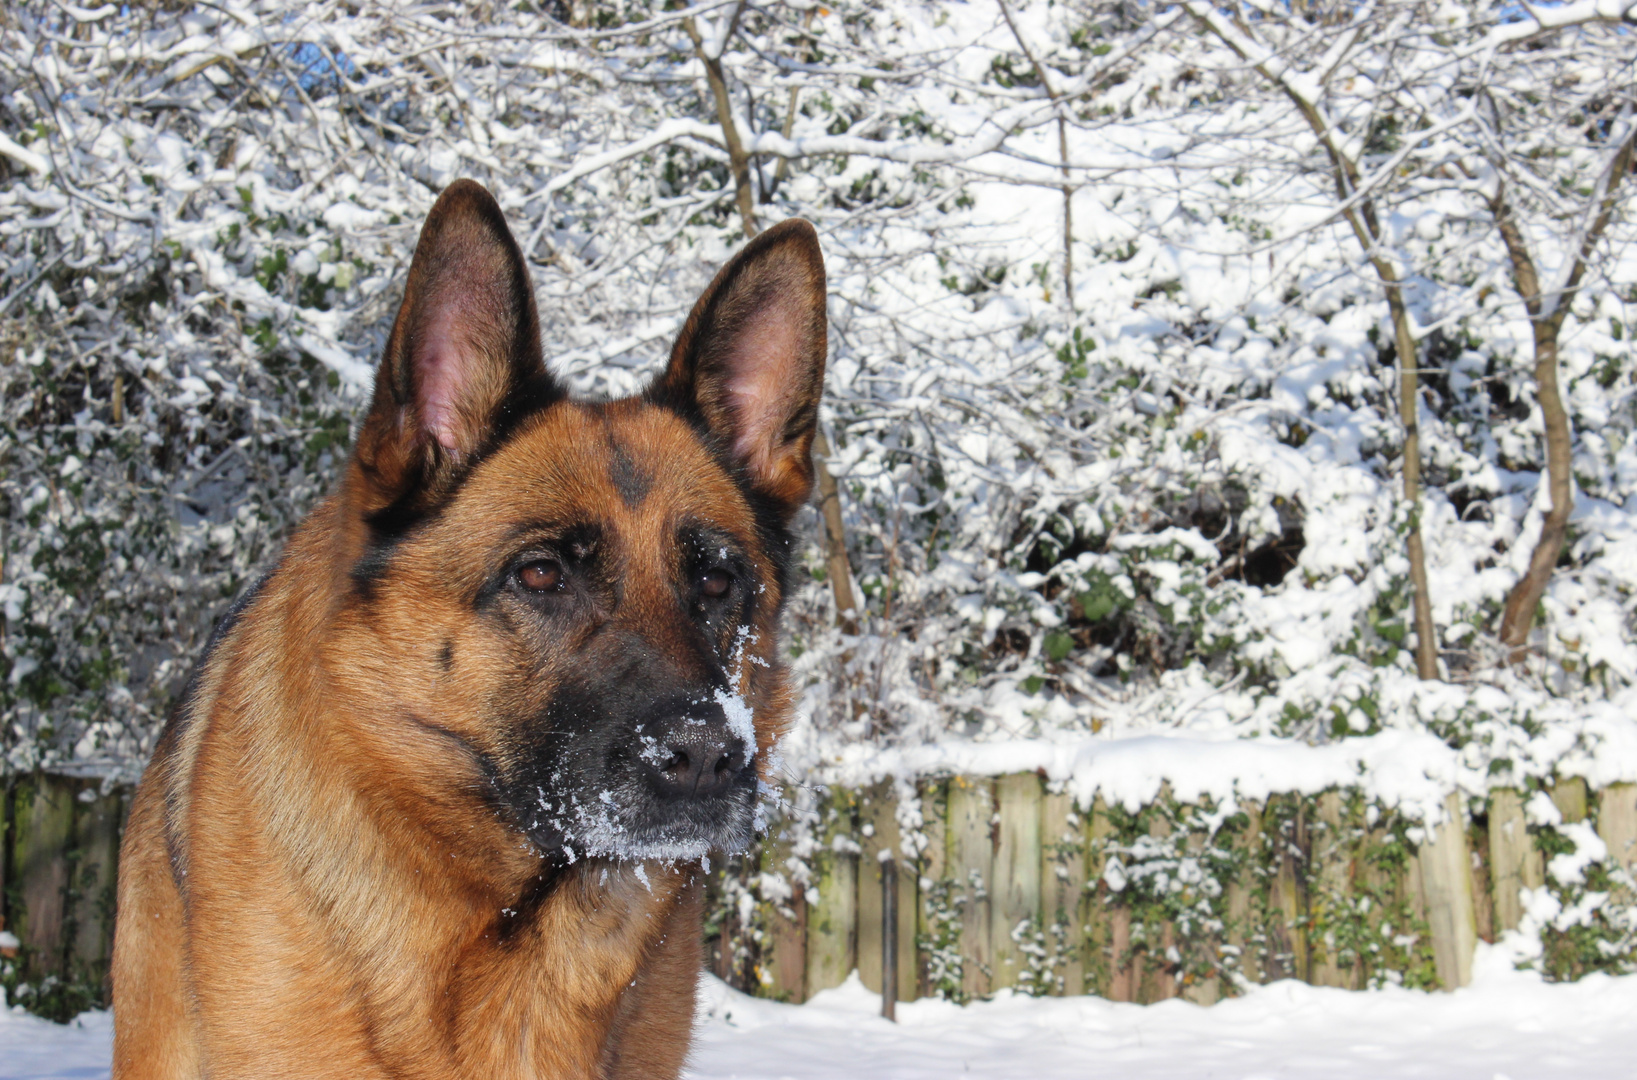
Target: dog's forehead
<point>627,463</point>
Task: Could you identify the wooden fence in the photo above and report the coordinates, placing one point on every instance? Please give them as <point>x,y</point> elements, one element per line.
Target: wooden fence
<point>59,850</point>
<point>1013,888</point>
<point>1011,885</point>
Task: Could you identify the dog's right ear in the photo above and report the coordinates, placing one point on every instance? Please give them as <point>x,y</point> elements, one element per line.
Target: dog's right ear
<point>465,344</point>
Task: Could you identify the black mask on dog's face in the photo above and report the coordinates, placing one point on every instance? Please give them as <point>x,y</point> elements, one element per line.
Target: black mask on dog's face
<point>646,749</point>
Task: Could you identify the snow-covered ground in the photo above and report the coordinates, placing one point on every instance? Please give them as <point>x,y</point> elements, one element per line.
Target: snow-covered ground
<point>1508,1024</point>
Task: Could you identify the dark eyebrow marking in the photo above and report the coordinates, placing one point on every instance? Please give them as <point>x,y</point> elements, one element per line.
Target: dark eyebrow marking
<point>629,479</point>
<point>704,546</point>
<point>543,531</point>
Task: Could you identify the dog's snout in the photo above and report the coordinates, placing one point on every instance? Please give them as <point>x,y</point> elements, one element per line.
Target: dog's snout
<point>701,767</point>
<point>699,758</point>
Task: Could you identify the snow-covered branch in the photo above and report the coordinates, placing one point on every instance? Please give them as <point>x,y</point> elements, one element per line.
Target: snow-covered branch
<point>1541,19</point>
<point>1087,478</point>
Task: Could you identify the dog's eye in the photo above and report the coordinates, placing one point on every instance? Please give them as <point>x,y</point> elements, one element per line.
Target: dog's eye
<point>541,575</point>
<point>715,584</point>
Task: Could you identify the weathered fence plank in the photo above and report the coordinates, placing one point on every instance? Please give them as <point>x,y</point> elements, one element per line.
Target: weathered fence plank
<point>889,938</point>
<point>970,864</point>
<point>1514,862</point>
<point>1122,979</point>
<point>1329,890</point>
<point>934,796</point>
<point>1242,929</point>
<point>1015,891</point>
<point>1287,899</point>
<point>1155,975</point>
<point>1446,876</point>
<point>787,930</point>
<point>1617,823</point>
<point>832,929</point>
<point>1483,894</point>
<point>874,818</point>
<point>1063,886</point>
<point>98,825</point>
<point>880,835</point>
<point>908,881</point>
<point>1191,987</point>
<point>1569,794</point>
<point>44,830</point>
<point>1096,916</point>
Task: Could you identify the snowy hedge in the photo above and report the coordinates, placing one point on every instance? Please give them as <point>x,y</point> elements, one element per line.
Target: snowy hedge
<point>1164,500</point>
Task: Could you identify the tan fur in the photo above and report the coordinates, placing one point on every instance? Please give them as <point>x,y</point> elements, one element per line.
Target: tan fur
<point>315,882</point>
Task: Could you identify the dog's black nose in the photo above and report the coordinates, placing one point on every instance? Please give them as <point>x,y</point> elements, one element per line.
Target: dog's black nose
<point>702,764</point>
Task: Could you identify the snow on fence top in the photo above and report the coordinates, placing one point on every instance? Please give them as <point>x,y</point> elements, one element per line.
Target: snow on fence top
<point>1118,298</point>
<point>1211,759</point>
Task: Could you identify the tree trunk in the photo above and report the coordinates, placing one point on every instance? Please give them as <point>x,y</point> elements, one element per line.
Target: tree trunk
<point>1546,314</point>
<point>840,571</point>
<point>1062,155</point>
<point>1366,227</point>
<point>835,535</point>
<point>1409,401</point>
<point>1068,215</point>
<point>738,160</point>
<point>782,169</point>
<point>1519,615</point>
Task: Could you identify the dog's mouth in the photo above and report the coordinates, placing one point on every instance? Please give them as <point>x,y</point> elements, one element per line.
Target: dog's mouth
<point>679,784</point>
<point>625,822</point>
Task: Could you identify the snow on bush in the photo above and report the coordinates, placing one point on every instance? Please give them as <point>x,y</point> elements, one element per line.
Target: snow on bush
<point>1166,500</point>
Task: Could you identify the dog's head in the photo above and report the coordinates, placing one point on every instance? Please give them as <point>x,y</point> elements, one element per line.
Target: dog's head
<point>571,608</point>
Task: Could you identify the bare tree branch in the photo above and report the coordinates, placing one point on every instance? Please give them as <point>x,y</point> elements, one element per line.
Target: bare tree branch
<point>1359,212</point>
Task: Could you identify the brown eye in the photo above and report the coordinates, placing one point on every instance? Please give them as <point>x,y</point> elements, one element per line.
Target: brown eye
<point>541,575</point>
<point>715,584</point>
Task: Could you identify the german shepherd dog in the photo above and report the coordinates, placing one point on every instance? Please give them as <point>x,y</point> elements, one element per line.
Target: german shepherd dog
<point>435,801</point>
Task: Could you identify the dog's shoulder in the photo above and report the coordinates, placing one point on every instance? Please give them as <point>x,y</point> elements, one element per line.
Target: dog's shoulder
<point>177,750</point>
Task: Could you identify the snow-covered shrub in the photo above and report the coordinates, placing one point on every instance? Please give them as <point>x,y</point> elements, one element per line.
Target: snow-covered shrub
<point>941,903</point>
<point>1163,497</point>
<point>739,902</point>
<point>1240,894</point>
<point>1170,867</point>
<point>1045,949</point>
<point>1362,915</point>
<point>1584,918</point>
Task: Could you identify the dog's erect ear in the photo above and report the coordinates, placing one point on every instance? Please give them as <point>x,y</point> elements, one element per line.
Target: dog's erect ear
<point>749,363</point>
<point>466,340</point>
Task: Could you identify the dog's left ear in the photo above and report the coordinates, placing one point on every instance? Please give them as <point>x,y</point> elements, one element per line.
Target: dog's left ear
<point>749,363</point>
